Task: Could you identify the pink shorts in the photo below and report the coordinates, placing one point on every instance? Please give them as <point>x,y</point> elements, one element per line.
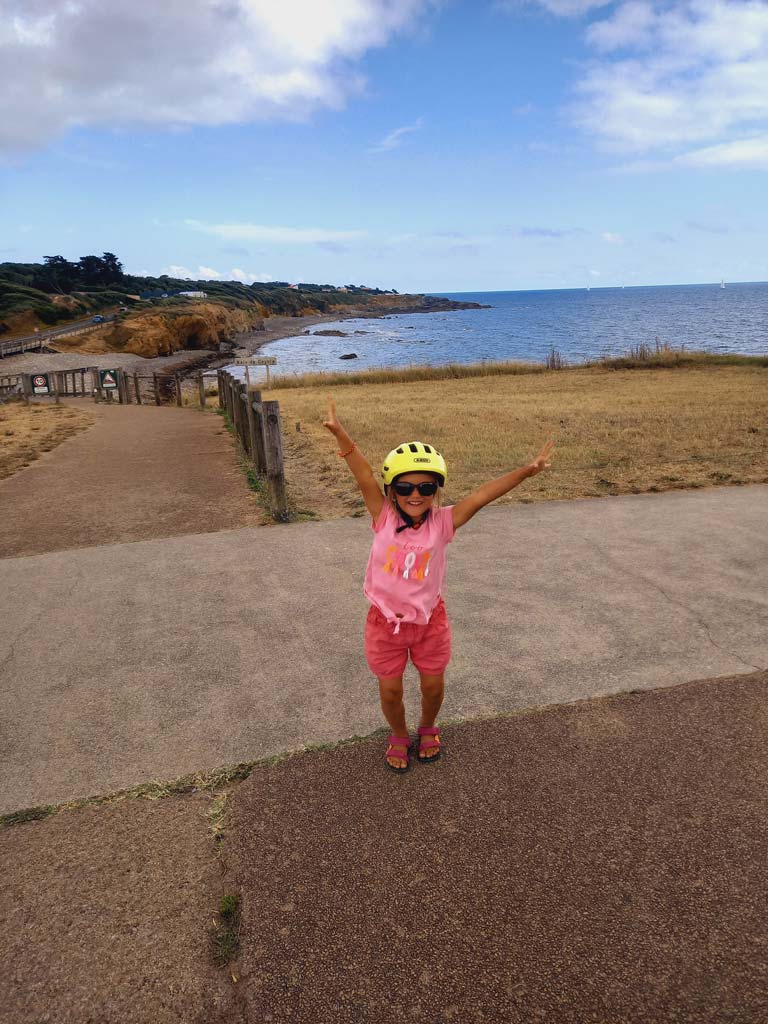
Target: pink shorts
<point>429,645</point>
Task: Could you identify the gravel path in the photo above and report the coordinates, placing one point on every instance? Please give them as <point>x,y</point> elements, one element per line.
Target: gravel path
<point>603,861</point>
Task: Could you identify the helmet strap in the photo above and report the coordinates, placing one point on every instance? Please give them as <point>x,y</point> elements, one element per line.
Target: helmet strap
<point>409,519</point>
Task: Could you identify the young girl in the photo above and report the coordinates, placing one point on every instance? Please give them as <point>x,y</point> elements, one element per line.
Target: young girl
<point>405,574</point>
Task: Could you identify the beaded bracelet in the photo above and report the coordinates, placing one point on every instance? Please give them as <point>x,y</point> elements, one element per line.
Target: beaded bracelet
<point>343,455</point>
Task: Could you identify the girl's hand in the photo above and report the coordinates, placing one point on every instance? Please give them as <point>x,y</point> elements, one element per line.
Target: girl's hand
<point>332,423</point>
<point>540,462</point>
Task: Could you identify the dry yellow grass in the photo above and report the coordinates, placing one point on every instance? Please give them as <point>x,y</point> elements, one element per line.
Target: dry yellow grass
<point>616,432</point>
<point>28,431</point>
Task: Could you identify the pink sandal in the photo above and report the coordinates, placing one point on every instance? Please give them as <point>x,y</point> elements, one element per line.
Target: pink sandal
<point>396,744</point>
<point>424,742</point>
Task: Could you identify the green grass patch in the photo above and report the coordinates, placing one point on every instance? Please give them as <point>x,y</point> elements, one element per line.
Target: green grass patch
<point>225,937</point>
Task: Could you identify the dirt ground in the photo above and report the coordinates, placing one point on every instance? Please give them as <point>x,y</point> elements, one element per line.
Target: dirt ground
<point>139,473</point>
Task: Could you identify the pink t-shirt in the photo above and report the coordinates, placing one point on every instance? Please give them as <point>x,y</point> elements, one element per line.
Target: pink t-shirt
<point>406,570</point>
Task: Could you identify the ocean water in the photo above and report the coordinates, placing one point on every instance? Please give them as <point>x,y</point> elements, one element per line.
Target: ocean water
<point>581,324</point>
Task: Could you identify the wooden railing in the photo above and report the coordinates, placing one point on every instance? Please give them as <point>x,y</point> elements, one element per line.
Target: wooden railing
<point>39,341</point>
<point>257,427</point>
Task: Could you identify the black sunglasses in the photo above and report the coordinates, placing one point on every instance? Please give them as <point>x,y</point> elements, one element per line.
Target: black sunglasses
<point>425,490</point>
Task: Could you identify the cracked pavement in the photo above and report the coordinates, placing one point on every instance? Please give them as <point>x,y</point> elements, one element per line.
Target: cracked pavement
<point>148,660</point>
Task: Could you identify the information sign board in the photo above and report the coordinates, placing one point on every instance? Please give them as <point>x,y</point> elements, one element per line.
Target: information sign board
<point>255,361</point>
<point>108,379</point>
<point>41,384</point>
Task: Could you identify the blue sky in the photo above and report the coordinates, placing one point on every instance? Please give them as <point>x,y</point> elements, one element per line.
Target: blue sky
<point>409,144</point>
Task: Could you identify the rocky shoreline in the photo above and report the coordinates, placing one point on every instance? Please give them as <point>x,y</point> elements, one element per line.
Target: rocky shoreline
<point>277,327</point>
<point>241,346</point>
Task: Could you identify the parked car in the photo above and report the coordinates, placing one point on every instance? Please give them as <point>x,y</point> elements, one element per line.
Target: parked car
<point>98,320</point>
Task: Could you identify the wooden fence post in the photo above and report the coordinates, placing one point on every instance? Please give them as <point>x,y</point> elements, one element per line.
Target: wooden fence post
<point>96,382</point>
<point>157,388</point>
<point>230,404</point>
<point>201,388</point>
<point>137,388</point>
<point>256,429</point>
<point>245,433</point>
<point>273,444</point>
<point>239,412</point>
<point>177,379</point>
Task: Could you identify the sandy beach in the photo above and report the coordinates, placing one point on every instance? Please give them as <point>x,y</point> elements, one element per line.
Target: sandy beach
<point>276,327</point>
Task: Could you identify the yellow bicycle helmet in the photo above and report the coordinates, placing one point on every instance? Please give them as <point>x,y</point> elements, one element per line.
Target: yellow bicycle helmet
<point>414,457</point>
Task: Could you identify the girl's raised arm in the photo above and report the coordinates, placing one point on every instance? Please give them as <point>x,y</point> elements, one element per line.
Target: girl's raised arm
<point>467,507</point>
<point>357,462</point>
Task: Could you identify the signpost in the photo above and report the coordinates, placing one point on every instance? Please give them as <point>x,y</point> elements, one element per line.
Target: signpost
<point>108,379</point>
<point>41,384</point>
<point>265,361</point>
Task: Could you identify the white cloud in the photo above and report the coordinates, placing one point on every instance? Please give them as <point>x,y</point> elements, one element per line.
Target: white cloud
<point>395,138</point>
<point>612,239</point>
<point>563,8</point>
<point>247,277</point>
<point>572,8</point>
<point>209,274</point>
<point>630,25</point>
<point>110,63</point>
<point>744,153</point>
<point>275,235</point>
<point>692,71</point>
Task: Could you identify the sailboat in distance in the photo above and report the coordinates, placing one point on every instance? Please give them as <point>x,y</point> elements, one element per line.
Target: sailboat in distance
<point>722,284</point>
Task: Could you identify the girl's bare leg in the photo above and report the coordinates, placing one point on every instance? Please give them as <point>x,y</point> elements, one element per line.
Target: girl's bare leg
<point>391,695</point>
<point>432,691</point>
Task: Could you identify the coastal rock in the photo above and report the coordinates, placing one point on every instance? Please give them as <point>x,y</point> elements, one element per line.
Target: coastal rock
<point>349,355</point>
<point>331,334</point>
<point>362,332</point>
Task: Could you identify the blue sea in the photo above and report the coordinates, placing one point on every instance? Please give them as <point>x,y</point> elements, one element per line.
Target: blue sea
<point>582,324</point>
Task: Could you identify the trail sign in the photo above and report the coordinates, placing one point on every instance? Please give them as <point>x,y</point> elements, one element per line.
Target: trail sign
<point>108,379</point>
<point>41,384</point>
<point>266,361</point>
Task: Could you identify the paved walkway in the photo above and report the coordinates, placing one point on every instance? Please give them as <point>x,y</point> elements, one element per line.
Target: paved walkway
<point>138,661</point>
<point>590,862</point>
<point>599,862</point>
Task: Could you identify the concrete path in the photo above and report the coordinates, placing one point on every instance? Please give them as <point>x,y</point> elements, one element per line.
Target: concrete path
<point>138,661</point>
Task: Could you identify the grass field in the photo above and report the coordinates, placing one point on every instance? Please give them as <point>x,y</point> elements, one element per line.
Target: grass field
<point>28,431</point>
<point>617,431</point>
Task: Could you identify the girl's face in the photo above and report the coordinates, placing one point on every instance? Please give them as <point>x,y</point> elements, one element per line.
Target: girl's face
<point>415,504</point>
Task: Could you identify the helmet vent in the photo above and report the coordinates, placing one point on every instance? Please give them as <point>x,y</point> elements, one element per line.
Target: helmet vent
<point>427,449</point>
<point>413,447</point>
<point>400,451</point>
